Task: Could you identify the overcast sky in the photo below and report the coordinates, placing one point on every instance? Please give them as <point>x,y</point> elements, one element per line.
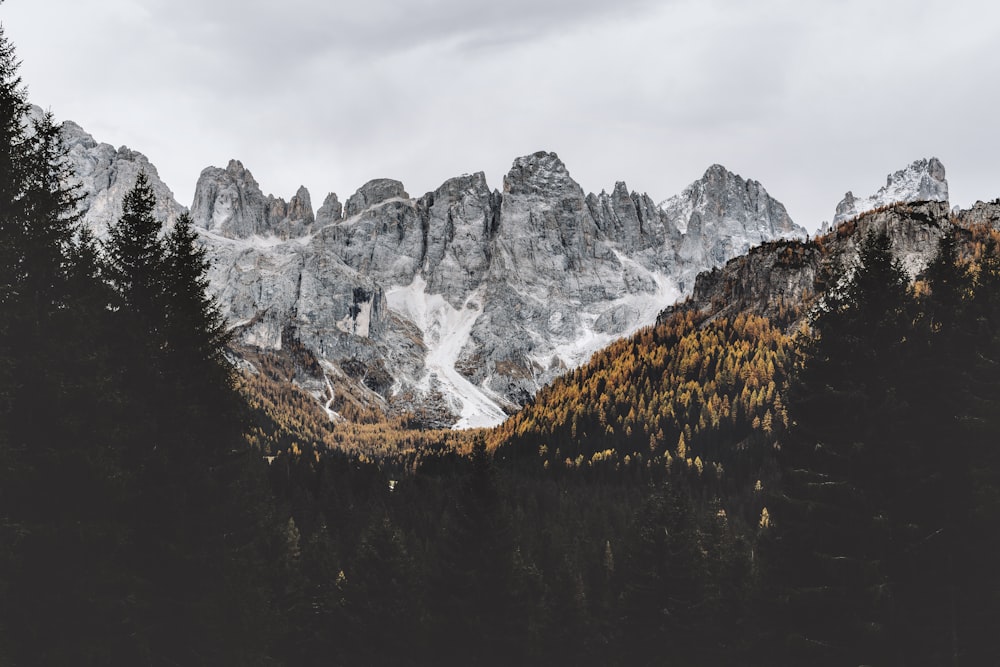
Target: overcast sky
<point>811,98</point>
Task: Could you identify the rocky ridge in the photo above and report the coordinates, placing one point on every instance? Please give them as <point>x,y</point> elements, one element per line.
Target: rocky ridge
<point>229,203</point>
<point>722,216</point>
<point>923,180</point>
<point>781,280</point>
<point>106,173</point>
<point>462,303</point>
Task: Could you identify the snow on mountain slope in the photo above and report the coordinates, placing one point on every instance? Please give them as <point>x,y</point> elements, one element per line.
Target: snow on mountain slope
<point>461,303</point>
<point>922,180</point>
<point>445,332</point>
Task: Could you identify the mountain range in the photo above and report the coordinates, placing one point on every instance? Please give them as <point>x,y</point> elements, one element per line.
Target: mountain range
<point>458,305</point>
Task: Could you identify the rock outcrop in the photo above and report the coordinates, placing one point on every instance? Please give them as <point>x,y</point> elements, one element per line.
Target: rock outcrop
<point>722,216</point>
<point>778,276</point>
<point>292,219</point>
<point>105,174</point>
<point>981,213</point>
<point>331,211</point>
<point>229,203</point>
<point>373,192</point>
<point>923,180</point>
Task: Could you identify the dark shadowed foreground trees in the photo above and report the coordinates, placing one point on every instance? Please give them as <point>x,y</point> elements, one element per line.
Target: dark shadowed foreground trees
<point>887,512</point>
<point>135,523</point>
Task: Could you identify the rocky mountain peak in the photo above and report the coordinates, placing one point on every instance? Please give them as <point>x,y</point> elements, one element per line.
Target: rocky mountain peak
<point>922,180</point>
<point>106,174</point>
<point>300,206</point>
<point>981,213</point>
<point>466,300</point>
<point>722,215</point>
<point>236,169</point>
<point>540,173</point>
<point>374,192</point>
<point>718,172</point>
<point>465,182</point>
<point>292,219</point>
<point>720,193</point>
<point>229,202</point>
<point>331,211</point>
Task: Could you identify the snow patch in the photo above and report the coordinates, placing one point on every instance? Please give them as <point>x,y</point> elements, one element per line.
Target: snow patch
<point>330,412</point>
<point>923,180</point>
<point>358,323</point>
<point>255,242</point>
<point>445,332</point>
<point>642,307</point>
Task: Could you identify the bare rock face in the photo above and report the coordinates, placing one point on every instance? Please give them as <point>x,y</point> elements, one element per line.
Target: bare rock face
<point>550,275</point>
<point>547,242</point>
<point>373,192</point>
<point>461,221</point>
<point>384,242</point>
<point>106,175</point>
<point>722,216</point>
<point>330,212</point>
<point>631,221</point>
<point>292,219</point>
<point>981,213</point>
<point>229,202</point>
<point>779,274</point>
<point>923,180</point>
<point>461,303</point>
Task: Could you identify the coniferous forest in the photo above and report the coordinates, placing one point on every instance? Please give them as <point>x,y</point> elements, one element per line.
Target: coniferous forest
<point>817,488</point>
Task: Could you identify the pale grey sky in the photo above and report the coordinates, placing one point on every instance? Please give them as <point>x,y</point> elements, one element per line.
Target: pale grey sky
<point>811,98</point>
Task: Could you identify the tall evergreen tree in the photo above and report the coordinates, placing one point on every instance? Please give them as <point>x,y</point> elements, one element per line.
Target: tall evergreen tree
<point>967,480</point>
<point>136,259</point>
<point>60,480</point>
<point>196,330</point>
<point>184,440</point>
<point>831,526</point>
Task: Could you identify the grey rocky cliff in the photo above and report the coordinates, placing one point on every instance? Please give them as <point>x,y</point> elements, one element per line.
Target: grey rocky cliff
<point>229,202</point>
<point>384,242</point>
<point>775,277</point>
<point>462,217</point>
<point>295,218</point>
<point>374,192</point>
<point>330,212</point>
<point>981,213</point>
<point>922,180</point>
<point>466,300</point>
<point>632,221</point>
<point>722,215</point>
<point>106,174</point>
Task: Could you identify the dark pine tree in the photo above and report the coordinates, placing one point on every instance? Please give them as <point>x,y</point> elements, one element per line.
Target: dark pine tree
<point>204,526</point>
<point>831,538</point>
<point>61,482</point>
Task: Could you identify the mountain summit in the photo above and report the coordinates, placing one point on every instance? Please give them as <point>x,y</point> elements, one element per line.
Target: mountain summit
<point>460,304</point>
<point>923,180</point>
<point>722,215</point>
